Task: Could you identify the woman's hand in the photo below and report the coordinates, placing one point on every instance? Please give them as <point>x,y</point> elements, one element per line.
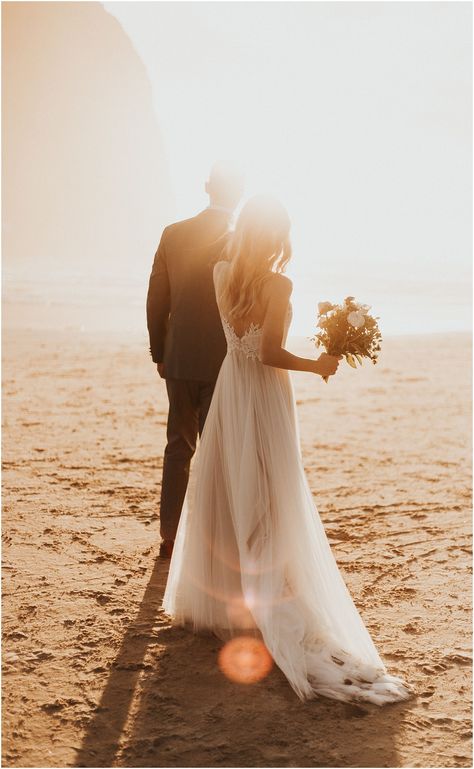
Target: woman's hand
<point>326,365</point>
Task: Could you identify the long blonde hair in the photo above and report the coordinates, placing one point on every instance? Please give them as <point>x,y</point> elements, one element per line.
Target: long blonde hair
<point>259,245</point>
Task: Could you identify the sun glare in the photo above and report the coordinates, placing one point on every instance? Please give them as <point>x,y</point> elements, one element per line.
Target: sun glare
<point>291,93</point>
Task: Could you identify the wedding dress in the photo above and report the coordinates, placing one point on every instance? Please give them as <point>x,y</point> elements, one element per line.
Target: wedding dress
<point>251,554</point>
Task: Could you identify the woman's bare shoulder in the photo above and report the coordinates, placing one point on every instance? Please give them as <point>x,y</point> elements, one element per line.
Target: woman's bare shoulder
<point>279,285</point>
<point>220,266</point>
<point>219,277</point>
<point>219,269</point>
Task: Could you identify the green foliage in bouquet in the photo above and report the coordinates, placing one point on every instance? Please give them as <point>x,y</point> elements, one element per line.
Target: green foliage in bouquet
<point>348,330</point>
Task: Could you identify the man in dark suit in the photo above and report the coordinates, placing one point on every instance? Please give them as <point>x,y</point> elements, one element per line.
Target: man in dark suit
<point>187,341</point>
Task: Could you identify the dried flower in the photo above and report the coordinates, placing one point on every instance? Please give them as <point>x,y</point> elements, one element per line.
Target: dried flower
<point>325,307</point>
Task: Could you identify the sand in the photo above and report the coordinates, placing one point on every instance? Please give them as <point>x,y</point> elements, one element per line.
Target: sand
<point>94,675</point>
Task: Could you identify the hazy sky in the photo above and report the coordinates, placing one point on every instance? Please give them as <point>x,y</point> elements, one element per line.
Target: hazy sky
<point>357,115</point>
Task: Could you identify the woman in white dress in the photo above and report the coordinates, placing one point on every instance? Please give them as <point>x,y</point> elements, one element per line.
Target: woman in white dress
<point>251,554</point>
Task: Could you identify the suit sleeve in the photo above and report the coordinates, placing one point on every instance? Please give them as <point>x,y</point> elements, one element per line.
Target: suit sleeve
<point>218,251</point>
<point>158,302</point>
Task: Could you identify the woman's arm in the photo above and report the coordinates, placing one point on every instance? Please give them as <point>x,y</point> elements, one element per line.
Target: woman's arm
<point>271,351</point>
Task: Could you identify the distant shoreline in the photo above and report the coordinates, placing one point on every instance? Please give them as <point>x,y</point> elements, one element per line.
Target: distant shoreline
<point>119,306</point>
<point>296,340</point>
<point>109,309</point>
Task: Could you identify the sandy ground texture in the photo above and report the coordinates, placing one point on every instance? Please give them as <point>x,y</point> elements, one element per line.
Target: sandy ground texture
<point>94,675</point>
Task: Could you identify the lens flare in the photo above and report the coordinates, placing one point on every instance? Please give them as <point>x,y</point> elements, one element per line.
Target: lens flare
<point>245,660</point>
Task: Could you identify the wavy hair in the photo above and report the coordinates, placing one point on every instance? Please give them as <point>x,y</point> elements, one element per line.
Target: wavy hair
<point>259,245</point>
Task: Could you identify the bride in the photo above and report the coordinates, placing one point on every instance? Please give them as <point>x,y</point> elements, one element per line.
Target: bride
<point>251,555</point>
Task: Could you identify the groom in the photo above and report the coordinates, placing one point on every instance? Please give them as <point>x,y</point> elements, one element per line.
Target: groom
<point>187,341</point>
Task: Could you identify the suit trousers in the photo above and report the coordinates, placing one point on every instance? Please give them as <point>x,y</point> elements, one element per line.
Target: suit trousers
<point>188,406</point>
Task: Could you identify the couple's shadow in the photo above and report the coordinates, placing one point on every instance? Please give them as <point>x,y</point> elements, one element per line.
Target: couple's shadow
<point>166,703</point>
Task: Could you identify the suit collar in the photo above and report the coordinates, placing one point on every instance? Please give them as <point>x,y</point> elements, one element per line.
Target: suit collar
<point>222,213</point>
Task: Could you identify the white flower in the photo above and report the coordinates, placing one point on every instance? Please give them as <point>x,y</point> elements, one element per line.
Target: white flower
<point>356,318</point>
<point>364,308</point>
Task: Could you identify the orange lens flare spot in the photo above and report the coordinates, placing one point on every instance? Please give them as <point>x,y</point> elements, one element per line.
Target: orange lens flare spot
<point>245,660</point>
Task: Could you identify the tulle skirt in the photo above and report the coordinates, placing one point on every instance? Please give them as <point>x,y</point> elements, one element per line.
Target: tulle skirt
<point>251,554</point>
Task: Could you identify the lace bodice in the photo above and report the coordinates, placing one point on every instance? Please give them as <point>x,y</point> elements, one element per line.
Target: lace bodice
<point>249,342</point>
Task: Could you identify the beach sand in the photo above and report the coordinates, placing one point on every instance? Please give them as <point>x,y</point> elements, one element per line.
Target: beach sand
<point>94,675</point>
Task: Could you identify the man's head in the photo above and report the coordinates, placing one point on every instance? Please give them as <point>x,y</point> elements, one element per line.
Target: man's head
<point>225,185</point>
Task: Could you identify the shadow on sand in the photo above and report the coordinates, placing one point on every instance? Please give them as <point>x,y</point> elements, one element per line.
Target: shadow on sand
<point>166,703</point>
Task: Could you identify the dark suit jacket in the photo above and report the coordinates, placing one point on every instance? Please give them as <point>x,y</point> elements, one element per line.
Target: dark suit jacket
<point>183,320</point>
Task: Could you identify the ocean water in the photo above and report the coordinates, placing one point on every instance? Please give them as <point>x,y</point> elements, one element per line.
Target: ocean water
<point>87,303</point>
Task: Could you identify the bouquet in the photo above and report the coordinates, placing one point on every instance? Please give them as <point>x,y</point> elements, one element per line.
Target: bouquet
<point>347,329</point>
